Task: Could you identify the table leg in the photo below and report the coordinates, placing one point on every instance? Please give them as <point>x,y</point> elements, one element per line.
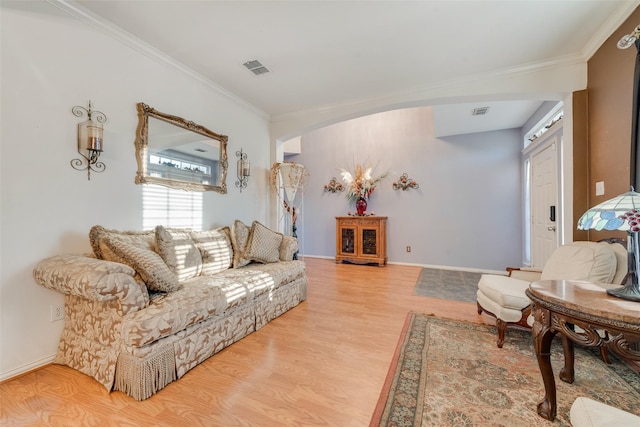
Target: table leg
<point>542,337</point>
<point>567,373</point>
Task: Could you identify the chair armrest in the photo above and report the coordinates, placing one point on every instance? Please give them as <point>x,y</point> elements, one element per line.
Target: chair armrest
<point>522,273</point>
<point>90,278</point>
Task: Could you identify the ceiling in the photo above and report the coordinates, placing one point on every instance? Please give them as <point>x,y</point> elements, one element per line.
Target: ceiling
<point>326,53</point>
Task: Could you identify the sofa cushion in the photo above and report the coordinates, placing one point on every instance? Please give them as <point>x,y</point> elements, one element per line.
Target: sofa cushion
<point>142,239</point>
<point>263,244</point>
<point>204,296</point>
<point>215,249</point>
<point>589,261</point>
<point>506,291</point>
<point>147,263</point>
<point>272,275</point>
<point>179,252</point>
<point>239,238</point>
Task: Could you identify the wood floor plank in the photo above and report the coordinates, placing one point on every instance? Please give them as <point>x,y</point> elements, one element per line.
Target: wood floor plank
<point>322,363</point>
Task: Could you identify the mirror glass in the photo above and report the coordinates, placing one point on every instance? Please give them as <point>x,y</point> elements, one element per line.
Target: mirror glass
<point>178,153</point>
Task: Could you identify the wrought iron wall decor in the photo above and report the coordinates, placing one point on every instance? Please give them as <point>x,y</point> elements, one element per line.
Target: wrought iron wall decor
<point>334,186</point>
<point>404,183</point>
<point>90,140</point>
<point>244,170</point>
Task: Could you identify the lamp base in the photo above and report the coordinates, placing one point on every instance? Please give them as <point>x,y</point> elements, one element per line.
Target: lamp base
<point>629,292</point>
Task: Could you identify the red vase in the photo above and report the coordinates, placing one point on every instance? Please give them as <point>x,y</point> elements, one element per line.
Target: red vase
<point>361,206</point>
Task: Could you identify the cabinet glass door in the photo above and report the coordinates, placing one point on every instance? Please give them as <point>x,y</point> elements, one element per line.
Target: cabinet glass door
<point>348,240</point>
<point>369,241</point>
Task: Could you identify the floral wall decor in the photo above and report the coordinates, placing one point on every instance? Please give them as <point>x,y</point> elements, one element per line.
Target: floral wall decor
<point>404,183</point>
<point>333,186</point>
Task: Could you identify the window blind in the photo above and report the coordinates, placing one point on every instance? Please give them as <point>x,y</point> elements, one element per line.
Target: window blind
<point>171,208</point>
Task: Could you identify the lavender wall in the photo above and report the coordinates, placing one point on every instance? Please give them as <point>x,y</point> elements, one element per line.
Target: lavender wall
<point>466,213</point>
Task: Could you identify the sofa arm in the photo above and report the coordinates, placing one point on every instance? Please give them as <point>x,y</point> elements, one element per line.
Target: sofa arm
<point>92,279</point>
<point>528,274</point>
<point>288,248</point>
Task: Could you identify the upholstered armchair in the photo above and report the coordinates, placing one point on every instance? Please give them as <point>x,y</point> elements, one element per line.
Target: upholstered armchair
<point>504,298</point>
<point>587,412</point>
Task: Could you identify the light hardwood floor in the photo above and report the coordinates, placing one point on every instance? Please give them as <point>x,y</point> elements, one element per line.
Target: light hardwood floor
<point>322,363</point>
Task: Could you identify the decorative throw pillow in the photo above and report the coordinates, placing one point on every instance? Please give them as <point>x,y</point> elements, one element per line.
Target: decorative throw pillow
<point>215,249</point>
<point>147,263</point>
<point>179,252</point>
<point>239,238</point>
<point>263,245</point>
<point>141,239</point>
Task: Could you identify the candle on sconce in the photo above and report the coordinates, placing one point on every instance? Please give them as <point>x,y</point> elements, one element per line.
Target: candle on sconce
<point>246,170</point>
<point>94,143</point>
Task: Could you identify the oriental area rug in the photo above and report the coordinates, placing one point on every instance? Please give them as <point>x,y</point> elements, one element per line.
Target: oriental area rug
<point>447,284</point>
<point>451,373</point>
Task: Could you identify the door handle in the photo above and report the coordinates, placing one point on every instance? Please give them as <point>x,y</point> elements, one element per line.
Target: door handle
<point>552,214</point>
<point>551,228</point>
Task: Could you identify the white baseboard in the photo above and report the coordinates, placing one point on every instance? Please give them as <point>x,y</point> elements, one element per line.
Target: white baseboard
<point>4,376</point>
<point>439,267</point>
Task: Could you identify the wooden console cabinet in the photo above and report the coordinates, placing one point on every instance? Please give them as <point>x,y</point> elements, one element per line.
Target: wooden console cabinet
<point>361,239</point>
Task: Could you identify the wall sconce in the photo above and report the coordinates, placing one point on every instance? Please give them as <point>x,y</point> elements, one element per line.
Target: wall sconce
<point>629,39</point>
<point>243,171</point>
<point>90,140</point>
<point>404,183</point>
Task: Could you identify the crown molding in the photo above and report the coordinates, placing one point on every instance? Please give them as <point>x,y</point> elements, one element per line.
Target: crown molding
<point>144,48</point>
<point>613,22</point>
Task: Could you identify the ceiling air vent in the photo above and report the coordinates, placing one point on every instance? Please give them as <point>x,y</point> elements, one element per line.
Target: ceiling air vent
<point>256,67</point>
<point>480,111</point>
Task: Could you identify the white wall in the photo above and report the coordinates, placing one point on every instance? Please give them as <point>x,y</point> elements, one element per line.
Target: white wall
<point>52,61</point>
<point>466,213</point>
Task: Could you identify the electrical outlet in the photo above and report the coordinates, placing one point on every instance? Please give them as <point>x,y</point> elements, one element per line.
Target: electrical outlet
<point>408,248</point>
<point>57,313</point>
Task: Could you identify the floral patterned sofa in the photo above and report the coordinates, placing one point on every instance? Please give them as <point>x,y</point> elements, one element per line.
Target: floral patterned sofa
<point>146,307</point>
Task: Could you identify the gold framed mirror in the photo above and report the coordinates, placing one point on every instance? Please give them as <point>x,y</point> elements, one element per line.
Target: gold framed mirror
<point>178,153</point>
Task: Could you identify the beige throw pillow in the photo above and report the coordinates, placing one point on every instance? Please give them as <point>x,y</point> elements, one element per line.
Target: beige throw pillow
<point>141,239</point>
<point>179,252</point>
<point>147,263</point>
<point>239,238</point>
<point>263,245</point>
<point>215,249</point>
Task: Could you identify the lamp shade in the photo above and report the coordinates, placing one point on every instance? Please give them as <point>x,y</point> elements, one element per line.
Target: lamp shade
<point>606,215</point>
<point>291,175</point>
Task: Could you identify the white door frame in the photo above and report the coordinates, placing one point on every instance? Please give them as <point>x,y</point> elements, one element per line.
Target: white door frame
<point>553,137</point>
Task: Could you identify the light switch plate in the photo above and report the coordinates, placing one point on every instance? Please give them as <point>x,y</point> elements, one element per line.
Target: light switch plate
<point>600,188</point>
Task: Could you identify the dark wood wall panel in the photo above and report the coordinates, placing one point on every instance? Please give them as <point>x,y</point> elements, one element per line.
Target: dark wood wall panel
<point>580,160</point>
<point>609,94</point>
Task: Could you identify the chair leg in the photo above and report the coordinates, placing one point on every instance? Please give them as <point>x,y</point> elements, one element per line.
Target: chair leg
<point>480,309</point>
<point>502,327</point>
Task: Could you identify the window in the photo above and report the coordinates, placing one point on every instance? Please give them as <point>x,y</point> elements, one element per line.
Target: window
<point>171,208</point>
<point>552,118</point>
